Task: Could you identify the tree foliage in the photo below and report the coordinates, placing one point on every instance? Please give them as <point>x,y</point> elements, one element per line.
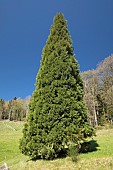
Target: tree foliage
<point>99,92</point>
<point>15,109</point>
<point>57,114</point>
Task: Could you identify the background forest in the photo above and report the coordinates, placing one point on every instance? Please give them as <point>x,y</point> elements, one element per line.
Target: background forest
<point>98,85</point>
<point>98,88</point>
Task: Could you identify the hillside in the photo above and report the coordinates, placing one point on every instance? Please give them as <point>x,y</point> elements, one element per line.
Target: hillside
<point>98,88</point>
<point>100,159</point>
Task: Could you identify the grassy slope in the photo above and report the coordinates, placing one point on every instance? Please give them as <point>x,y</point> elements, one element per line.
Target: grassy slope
<point>11,132</point>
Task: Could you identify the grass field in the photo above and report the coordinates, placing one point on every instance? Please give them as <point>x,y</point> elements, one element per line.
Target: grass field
<point>101,159</point>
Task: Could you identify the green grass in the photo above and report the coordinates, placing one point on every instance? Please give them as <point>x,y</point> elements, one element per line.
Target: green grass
<point>101,159</point>
<point>10,133</point>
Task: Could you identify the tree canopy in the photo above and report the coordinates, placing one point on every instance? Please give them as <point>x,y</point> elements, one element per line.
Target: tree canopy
<point>57,116</point>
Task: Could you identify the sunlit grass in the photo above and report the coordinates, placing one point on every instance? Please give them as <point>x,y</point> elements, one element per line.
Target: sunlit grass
<point>101,159</point>
<point>10,133</point>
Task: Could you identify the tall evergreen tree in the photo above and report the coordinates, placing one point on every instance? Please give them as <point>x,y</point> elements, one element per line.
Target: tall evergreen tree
<point>57,114</point>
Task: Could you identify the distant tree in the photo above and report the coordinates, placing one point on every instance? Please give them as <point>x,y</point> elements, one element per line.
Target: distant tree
<point>57,115</point>
<point>90,97</point>
<point>99,92</point>
<point>101,111</point>
<point>2,110</point>
<point>105,72</point>
<point>16,109</point>
<point>26,105</point>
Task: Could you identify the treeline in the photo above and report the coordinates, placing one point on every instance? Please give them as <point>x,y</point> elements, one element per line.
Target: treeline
<point>98,87</point>
<point>15,109</point>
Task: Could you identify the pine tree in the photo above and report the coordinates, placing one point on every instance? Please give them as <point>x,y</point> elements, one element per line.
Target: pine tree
<point>57,114</point>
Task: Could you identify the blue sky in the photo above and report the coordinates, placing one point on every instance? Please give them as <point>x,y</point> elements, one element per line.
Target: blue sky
<point>25,26</point>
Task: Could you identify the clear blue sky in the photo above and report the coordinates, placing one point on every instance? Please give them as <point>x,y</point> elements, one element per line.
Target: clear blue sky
<point>25,26</point>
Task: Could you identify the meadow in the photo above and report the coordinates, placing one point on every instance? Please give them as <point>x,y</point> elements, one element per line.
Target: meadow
<point>99,159</point>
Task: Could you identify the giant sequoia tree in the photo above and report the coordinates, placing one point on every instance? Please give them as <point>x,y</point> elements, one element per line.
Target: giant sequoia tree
<point>57,114</point>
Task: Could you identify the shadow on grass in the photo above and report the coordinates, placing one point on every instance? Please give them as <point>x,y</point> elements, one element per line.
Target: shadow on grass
<point>90,146</point>
<point>62,154</point>
<point>86,147</point>
<point>34,159</point>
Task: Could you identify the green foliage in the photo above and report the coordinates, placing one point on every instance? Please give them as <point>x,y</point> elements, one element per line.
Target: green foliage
<point>101,111</point>
<point>73,152</point>
<point>3,112</point>
<point>57,114</point>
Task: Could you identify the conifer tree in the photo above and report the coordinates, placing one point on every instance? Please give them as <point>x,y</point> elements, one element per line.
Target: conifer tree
<point>57,114</point>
